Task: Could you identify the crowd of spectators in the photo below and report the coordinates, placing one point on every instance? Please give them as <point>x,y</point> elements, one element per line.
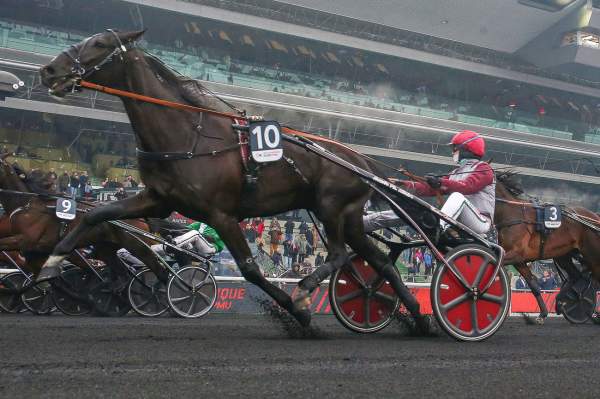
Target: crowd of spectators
<point>385,34</point>
<point>547,281</point>
<point>286,242</point>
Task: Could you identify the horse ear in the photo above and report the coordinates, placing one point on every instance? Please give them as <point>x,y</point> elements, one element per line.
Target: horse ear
<point>132,36</point>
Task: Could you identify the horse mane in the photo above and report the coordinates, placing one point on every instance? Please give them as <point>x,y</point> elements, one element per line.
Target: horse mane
<point>163,70</point>
<point>511,180</point>
<point>190,89</point>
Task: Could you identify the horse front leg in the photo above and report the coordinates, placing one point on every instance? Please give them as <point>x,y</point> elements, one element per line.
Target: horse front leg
<point>142,205</point>
<point>229,230</point>
<point>336,257</point>
<point>525,271</point>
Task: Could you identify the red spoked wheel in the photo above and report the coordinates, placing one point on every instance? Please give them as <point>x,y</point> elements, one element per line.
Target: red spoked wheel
<point>472,304</point>
<point>361,299</point>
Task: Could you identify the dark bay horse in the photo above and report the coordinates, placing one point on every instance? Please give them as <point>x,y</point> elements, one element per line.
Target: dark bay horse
<point>515,219</point>
<point>210,184</point>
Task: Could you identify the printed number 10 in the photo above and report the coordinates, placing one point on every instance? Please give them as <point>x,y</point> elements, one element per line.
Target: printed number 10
<point>271,136</point>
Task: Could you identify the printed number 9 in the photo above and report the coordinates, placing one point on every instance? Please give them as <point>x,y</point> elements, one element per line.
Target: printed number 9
<point>66,204</point>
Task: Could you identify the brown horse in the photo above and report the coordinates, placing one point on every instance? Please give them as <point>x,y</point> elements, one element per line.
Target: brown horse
<point>35,230</point>
<point>515,219</point>
<point>203,174</point>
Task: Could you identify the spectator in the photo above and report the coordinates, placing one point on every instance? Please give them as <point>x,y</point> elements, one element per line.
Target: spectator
<point>417,260</point>
<point>303,228</point>
<point>259,226</point>
<point>287,249</point>
<point>302,248</point>
<point>126,183</point>
<point>74,184</point>
<point>309,239</point>
<point>428,261</point>
<point>87,191</point>
<point>294,248</point>
<point>521,284</point>
<point>274,235</point>
<point>277,259</point>
<point>316,237</point>
<point>547,281</point>
<point>63,183</point>
<point>121,194</point>
<point>250,233</point>
<point>134,183</point>
<point>289,230</point>
<point>83,179</point>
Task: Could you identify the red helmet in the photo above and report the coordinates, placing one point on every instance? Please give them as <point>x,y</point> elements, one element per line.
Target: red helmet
<point>469,141</point>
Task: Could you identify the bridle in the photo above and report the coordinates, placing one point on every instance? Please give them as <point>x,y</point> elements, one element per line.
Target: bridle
<point>80,71</point>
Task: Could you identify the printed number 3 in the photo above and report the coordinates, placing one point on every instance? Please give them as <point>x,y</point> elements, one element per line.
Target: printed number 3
<point>554,215</point>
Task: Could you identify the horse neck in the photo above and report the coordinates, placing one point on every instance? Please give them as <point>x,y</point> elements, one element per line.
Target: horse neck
<point>503,210</point>
<point>11,201</point>
<point>157,128</point>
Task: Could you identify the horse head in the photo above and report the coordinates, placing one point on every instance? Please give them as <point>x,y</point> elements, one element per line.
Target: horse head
<point>12,176</point>
<point>93,59</point>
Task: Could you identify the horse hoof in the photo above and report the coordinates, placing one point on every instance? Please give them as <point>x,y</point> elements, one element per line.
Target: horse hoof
<point>302,300</point>
<point>303,317</point>
<point>539,321</point>
<point>424,325</point>
<point>48,273</point>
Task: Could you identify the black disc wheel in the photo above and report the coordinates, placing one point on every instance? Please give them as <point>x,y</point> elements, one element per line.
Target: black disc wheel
<point>38,299</point>
<point>10,295</point>
<point>192,292</point>
<point>70,292</point>
<point>577,300</point>
<point>147,294</point>
<point>110,296</point>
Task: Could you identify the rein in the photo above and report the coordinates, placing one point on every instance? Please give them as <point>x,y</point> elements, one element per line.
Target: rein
<point>158,101</point>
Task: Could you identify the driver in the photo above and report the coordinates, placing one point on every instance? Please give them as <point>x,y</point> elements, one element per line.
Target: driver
<point>201,239</point>
<point>472,188</point>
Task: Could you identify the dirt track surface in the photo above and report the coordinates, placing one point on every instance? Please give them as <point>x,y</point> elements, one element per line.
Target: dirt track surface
<point>252,357</point>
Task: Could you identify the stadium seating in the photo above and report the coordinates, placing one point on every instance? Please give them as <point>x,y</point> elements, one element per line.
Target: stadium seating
<point>263,77</point>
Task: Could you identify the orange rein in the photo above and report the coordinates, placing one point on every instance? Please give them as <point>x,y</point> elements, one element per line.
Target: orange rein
<point>187,107</point>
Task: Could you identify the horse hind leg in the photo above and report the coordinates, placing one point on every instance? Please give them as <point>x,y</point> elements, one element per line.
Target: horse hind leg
<point>525,271</point>
<point>383,265</point>
<point>337,256</point>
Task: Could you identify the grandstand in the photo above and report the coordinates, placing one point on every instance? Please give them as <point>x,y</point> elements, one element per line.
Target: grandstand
<point>385,85</point>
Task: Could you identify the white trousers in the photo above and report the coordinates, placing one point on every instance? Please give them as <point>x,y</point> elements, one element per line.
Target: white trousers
<point>457,206</point>
<point>192,241</point>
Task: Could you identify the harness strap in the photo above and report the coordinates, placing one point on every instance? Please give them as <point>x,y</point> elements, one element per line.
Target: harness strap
<point>175,156</point>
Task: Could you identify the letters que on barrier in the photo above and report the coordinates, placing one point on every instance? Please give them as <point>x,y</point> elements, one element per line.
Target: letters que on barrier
<point>228,295</point>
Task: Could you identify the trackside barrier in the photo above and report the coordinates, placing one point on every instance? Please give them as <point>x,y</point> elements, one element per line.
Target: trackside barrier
<point>237,296</point>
